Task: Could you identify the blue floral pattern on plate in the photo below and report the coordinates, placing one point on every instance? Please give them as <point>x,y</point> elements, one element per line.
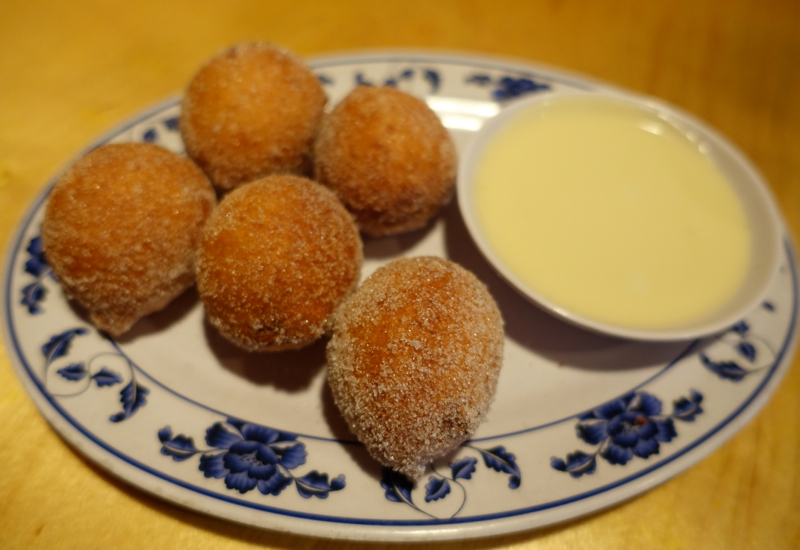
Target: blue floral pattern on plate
<point>750,350</point>
<point>428,75</point>
<point>133,396</point>
<point>34,293</point>
<point>508,87</point>
<point>398,488</point>
<point>632,425</point>
<point>250,456</point>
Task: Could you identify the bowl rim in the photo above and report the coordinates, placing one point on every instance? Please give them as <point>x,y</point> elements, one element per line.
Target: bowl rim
<point>749,184</point>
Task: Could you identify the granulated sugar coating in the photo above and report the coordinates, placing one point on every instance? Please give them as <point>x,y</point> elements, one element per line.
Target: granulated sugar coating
<point>251,111</point>
<point>414,359</point>
<point>277,256</point>
<point>121,228</point>
<point>388,158</point>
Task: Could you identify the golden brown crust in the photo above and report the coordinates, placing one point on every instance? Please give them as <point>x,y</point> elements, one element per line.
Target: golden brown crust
<point>276,258</point>
<point>251,111</point>
<point>121,228</point>
<point>388,158</point>
<point>414,359</point>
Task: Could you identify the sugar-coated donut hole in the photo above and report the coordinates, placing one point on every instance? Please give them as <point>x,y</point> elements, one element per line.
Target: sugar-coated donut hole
<point>251,111</point>
<point>388,157</point>
<point>276,258</point>
<point>414,359</point>
<point>121,228</point>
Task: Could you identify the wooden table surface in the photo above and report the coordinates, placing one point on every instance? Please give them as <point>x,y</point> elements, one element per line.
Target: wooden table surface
<point>69,71</point>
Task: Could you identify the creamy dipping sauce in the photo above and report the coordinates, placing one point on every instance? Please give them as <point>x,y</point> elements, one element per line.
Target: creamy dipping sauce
<point>612,213</point>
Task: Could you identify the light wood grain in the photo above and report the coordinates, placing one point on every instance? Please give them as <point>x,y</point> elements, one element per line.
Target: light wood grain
<point>69,71</point>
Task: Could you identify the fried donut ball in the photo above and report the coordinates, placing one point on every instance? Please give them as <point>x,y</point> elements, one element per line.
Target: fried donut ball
<point>121,229</point>
<point>277,256</point>
<point>414,359</point>
<point>251,111</point>
<point>388,158</point>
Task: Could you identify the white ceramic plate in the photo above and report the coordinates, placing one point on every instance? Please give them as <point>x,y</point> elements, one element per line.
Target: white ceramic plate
<point>581,421</point>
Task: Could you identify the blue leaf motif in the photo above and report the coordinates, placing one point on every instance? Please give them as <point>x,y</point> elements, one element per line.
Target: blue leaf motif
<point>437,488</point>
<point>172,123</point>
<point>32,295</point>
<point>338,483</point>
<point>132,397</point>
<point>686,409</point>
<point>106,378</point>
<point>316,484</point>
<point>747,350</point>
<point>150,135</point>
<point>433,78</point>
<point>58,345</point>
<point>73,372</point>
<point>165,434</point>
<point>501,461</point>
<point>35,267</point>
<point>725,369</point>
<point>509,87</point>
<point>740,328</point>
<point>479,79</point>
<point>361,80</point>
<point>398,487</point>
<point>37,263</point>
<point>179,447</point>
<point>464,468</point>
<point>577,464</point>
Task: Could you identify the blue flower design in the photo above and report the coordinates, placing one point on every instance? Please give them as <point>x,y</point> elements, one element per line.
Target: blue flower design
<point>398,488</point>
<point>248,456</point>
<point>79,371</point>
<point>744,348</point>
<point>508,87</point>
<point>430,76</point>
<point>34,293</point>
<point>631,426</point>
<point>133,396</point>
<point>500,460</point>
<point>729,370</point>
<point>36,264</point>
<point>160,130</point>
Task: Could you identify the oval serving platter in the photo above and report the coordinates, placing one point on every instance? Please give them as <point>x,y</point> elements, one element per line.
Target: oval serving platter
<point>581,421</point>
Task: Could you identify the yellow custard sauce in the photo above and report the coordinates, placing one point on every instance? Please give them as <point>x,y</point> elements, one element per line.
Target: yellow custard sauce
<point>612,213</point>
